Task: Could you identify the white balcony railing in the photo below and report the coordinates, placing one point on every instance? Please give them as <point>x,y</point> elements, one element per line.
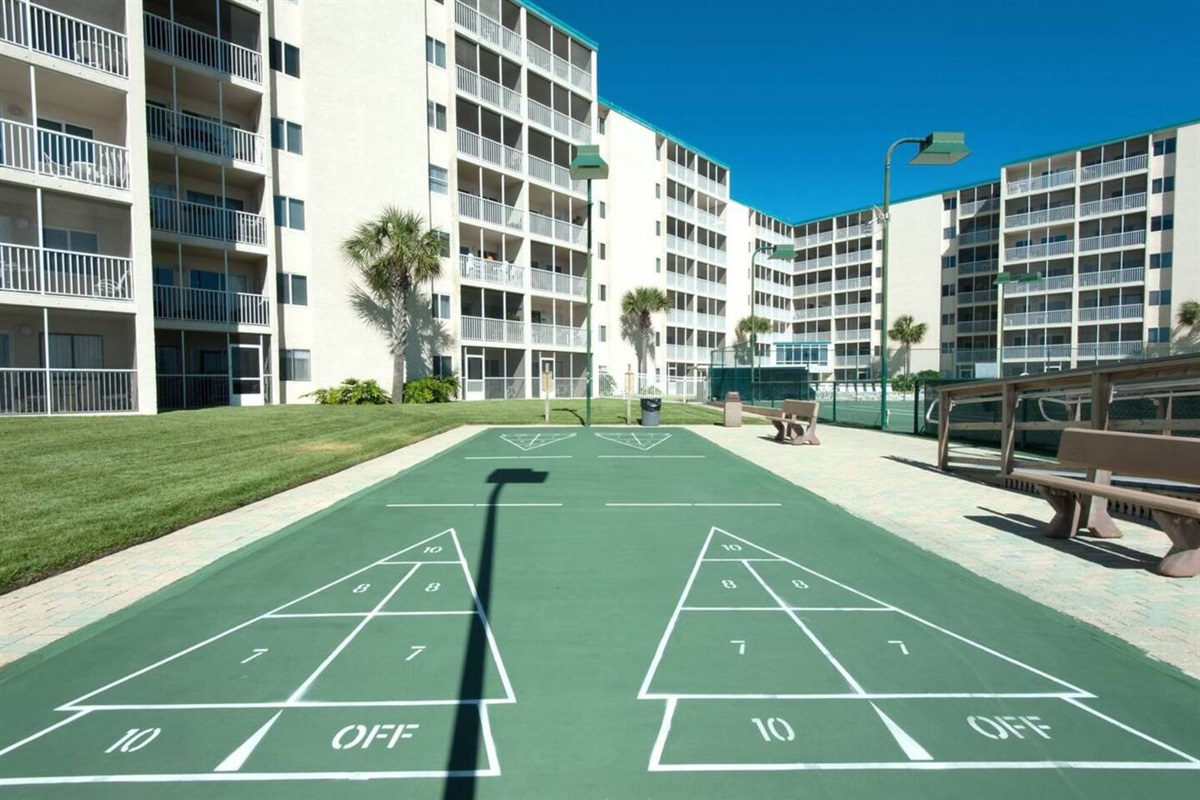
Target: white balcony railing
<point>710,321</point>
<point>1112,277</point>
<point>1113,205</point>
<point>815,238</point>
<point>816,312</point>
<point>809,289</point>
<point>1042,250</point>
<point>211,305</point>
<point>487,90</point>
<point>559,67</point>
<point>861,282</point>
<point>1043,216</point>
<point>1109,313</point>
<point>975,326</point>
<point>203,135</point>
<point>978,207</point>
<point>686,175</point>
<point>67,391</point>
<point>978,237</point>
<point>543,280</point>
<point>1024,319</point>
<point>487,329</point>
<point>1037,352</point>
<point>855,231</point>
<point>814,263</point>
<point>710,288</point>
<point>60,35</point>
<point>710,221</point>
<point>1026,185</point>
<point>559,229</point>
<point>1054,283</point>
<point>62,272</point>
<point>1110,349</point>
<point>979,355</point>
<point>857,360</point>
<point>207,222</point>
<point>543,170</point>
<point>491,151</point>
<point>62,155</point>
<point>1094,172</point>
<point>487,29</point>
<point>679,245</point>
<point>1111,240</point>
<point>853,257</point>
<point>490,211</point>
<point>852,335</point>
<point>982,296</point>
<point>559,122</point>
<point>557,335</point>
<point>197,47</point>
<point>851,309</point>
<point>976,267</point>
<point>711,254</point>
<point>487,270</point>
<point>681,210</point>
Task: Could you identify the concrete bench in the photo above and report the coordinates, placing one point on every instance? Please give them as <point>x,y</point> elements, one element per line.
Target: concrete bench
<point>1083,503</point>
<point>797,422</point>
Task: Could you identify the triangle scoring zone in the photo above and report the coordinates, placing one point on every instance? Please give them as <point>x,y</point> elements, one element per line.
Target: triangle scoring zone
<point>638,441</point>
<point>532,441</point>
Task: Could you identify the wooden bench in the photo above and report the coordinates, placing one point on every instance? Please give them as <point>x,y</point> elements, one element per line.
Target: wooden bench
<point>1083,503</point>
<point>797,422</point>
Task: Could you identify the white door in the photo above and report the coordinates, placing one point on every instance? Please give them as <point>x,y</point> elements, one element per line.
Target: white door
<point>246,387</point>
<point>473,385</point>
<point>547,366</point>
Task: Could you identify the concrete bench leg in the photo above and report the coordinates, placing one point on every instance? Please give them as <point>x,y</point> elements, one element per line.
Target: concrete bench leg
<point>1066,513</point>
<point>1099,523</point>
<point>781,429</point>
<point>806,435</point>
<point>1183,559</point>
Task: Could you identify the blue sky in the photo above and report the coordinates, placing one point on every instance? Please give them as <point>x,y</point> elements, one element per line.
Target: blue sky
<point>802,97</point>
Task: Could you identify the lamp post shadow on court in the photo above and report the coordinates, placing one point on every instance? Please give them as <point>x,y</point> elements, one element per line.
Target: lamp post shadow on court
<point>464,744</point>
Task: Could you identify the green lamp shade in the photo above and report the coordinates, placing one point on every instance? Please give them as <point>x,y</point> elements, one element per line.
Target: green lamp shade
<point>786,252</point>
<point>588,165</point>
<point>942,148</point>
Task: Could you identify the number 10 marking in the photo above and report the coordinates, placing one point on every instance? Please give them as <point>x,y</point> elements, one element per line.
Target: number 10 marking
<point>741,643</point>
<point>775,728</point>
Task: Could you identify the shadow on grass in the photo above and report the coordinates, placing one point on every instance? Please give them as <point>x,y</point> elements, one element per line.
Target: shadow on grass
<point>1103,552</point>
<point>572,412</point>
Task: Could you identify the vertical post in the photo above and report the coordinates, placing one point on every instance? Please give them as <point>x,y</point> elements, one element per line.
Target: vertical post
<point>1008,407</point>
<point>588,380</point>
<point>753,322</point>
<point>883,289</point>
<point>1000,331</point>
<point>943,429</point>
<point>46,351</point>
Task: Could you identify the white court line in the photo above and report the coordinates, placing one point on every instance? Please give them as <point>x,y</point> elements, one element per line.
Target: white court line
<point>911,747</point>
<point>637,444</point>
<point>915,618</point>
<point>409,563</point>
<point>1112,552</point>
<point>874,696</point>
<point>473,505</point>
<point>737,505</point>
<point>777,608</point>
<point>487,627</point>
<point>211,639</point>
<point>1134,731</point>
<point>651,456</point>
<point>234,761</point>
<point>812,636</point>
<point>693,505</point>
<point>44,731</point>
<point>251,776</point>
<point>507,458</point>
<point>527,444</point>
<point>741,559</point>
<point>927,765</point>
<point>662,643</point>
<point>298,704</point>
<point>664,730</point>
<point>296,695</point>
<point>489,744</point>
<point>369,614</point>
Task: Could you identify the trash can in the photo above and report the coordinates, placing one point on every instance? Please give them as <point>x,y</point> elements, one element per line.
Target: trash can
<point>651,406</point>
<point>733,410</point>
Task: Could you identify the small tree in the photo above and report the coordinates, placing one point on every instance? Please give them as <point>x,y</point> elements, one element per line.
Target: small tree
<point>1189,314</point>
<point>908,332</point>
<point>638,307</point>
<point>393,253</point>
<point>1186,335</point>
<point>746,327</point>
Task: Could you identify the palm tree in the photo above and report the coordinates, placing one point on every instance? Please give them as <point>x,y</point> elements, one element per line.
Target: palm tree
<point>393,253</point>
<point>746,327</point>
<point>637,323</point>
<point>1186,335</point>
<point>1189,314</point>
<point>908,332</point>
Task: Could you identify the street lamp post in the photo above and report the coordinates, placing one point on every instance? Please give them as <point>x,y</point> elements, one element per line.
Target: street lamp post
<point>781,251</point>
<point>936,148</point>
<point>588,166</point>
<point>1002,280</point>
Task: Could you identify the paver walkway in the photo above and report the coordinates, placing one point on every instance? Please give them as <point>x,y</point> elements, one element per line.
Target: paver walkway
<point>887,479</point>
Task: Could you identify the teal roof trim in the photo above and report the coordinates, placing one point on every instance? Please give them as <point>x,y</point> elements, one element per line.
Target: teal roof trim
<point>659,131</point>
<point>558,23</point>
<point>1108,140</point>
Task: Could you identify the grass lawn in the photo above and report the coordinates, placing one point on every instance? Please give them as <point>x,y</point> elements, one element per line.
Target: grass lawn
<point>81,487</point>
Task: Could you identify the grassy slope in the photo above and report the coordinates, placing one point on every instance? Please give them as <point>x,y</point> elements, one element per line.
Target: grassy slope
<point>78,488</point>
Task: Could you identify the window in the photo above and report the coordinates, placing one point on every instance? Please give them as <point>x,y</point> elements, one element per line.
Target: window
<point>602,251</point>
<point>878,324</point>
<point>1164,147</point>
<point>1163,223</point>
<point>292,289</point>
<point>949,233</point>
<point>657,191</point>
<point>603,333</point>
<point>603,210</point>
<point>435,52</point>
<point>949,262</point>
<point>72,351</point>
<point>947,319</point>
<point>657,339</point>
<point>657,227</point>
<point>878,297</point>
<point>1161,260</point>
<point>284,58</point>
<point>879,272</point>
<point>441,306</point>
<point>64,151</point>
<point>443,366</point>
<point>947,290</point>
<point>658,265</point>
<point>295,365</point>
<point>603,292</point>
<point>947,347</point>
<point>70,240</point>
<point>289,213</point>
<point>436,115</point>
<point>444,238</point>
<point>439,180</point>
<point>1160,185</point>
<point>879,244</point>
<point>949,203</point>
<point>600,124</point>
<point>287,136</point>
<point>1160,298</point>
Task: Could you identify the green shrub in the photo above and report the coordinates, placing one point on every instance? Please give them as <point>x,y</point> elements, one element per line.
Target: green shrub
<point>431,389</point>
<point>908,383</point>
<point>352,392</point>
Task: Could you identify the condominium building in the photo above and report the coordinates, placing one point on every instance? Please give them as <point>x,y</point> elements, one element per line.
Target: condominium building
<point>177,178</point>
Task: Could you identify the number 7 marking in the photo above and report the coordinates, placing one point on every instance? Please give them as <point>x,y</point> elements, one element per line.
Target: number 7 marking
<point>903,649</point>
<point>741,643</point>
<point>416,651</point>
<point>258,651</point>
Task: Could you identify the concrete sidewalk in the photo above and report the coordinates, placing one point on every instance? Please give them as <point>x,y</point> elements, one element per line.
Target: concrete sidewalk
<point>893,481</point>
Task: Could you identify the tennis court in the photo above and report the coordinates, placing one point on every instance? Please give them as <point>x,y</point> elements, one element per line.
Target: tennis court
<point>607,612</point>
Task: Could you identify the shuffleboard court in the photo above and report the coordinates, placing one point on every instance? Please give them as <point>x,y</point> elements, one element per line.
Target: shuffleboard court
<point>607,612</point>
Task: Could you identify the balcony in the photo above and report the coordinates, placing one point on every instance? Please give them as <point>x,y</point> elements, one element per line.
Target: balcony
<point>1113,240</point>
<point>851,309</point>
<point>490,271</point>
<point>814,263</point>
<point>1095,172</point>
<point>710,321</point>
<point>809,289</point>
<point>490,211</point>
<point>682,246</point>
<point>487,90</point>
<point>1027,185</point>
<point>542,335</point>
<point>60,155</point>
<point>487,329</point>
<point>67,391</point>
<point>1043,250</point>
<point>710,221</point>
<point>861,282</point>
<point>558,67</point>
<point>857,360</point>
<point>711,255</point>
<point>197,47</point>
<point>560,123</point>
<point>978,207</point>
<point>686,175</point>
<point>1112,277</point>
<point>687,352</point>
<point>546,172</point>
<point>977,267</point>
<point>561,230</point>
<point>1110,313</point>
<point>681,210</point>
<point>813,239</point>
<point>816,312</point>
<point>64,273</point>
<point>975,298</point>
<point>855,257</point>
<point>981,236</point>
<point>487,29</point>
<point>1038,318</point>
<point>979,355</point>
<point>852,335</point>
<point>543,280</point>
<point>62,36</point>
<point>207,222</point>
<point>203,135</point>
<point>1054,283</point>
<point>975,326</point>
<point>211,305</point>
<point>1043,216</point>
<point>1037,352</point>
<point>684,318</point>
<point>855,231</point>
<point>710,288</point>
<point>1113,205</point>
<point>1111,349</point>
<point>491,151</point>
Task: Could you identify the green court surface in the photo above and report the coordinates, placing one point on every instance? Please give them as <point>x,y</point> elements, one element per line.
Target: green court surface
<point>592,613</point>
